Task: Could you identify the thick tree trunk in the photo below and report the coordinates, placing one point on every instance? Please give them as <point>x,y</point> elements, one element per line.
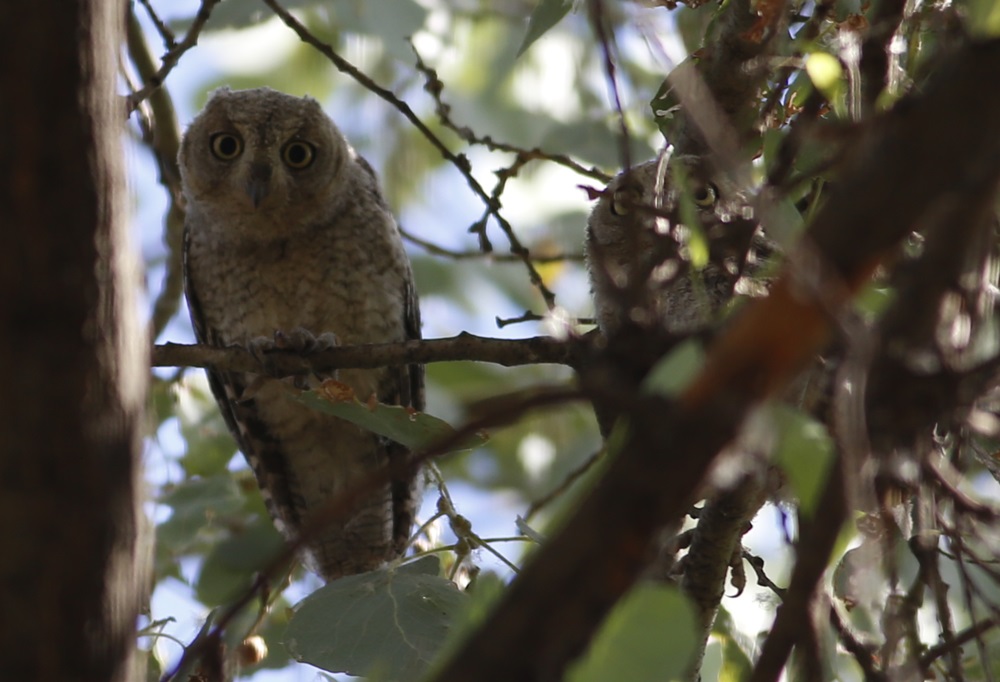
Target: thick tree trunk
<point>72,351</point>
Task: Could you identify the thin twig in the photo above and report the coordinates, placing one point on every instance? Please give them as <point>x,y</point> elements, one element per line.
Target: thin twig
<point>863,653</point>
<point>528,316</point>
<point>460,161</point>
<point>596,8</point>
<point>434,87</point>
<point>341,505</point>
<point>170,59</point>
<point>162,137</point>
<point>757,564</point>
<point>169,39</point>
<point>946,648</point>
<point>437,250</point>
<point>570,478</point>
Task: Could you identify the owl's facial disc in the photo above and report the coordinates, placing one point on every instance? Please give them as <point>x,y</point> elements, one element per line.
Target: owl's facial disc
<point>258,183</point>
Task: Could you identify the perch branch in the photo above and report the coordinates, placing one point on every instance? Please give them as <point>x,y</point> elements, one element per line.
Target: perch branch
<point>506,352</point>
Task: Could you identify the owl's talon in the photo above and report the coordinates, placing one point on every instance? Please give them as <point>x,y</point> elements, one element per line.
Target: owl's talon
<point>302,340</point>
<point>260,346</point>
<point>282,341</point>
<point>299,340</point>
<point>326,341</point>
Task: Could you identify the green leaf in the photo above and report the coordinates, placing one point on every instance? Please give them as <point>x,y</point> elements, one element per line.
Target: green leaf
<point>388,622</point>
<point>394,21</point>
<point>873,300</point>
<point>196,503</point>
<point>650,635</point>
<point>825,72</point>
<point>482,594</point>
<point>230,566</point>
<point>783,220</point>
<point>162,403</point>
<point>736,665</point>
<point>693,23</point>
<point>671,374</point>
<point>984,18</point>
<point>415,430</point>
<point>210,446</point>
<point>805,453</point>
<point>827,75</point>
<point>547,14</point>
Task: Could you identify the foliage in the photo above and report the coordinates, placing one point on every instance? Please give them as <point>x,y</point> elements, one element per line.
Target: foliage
<point>520,91</point>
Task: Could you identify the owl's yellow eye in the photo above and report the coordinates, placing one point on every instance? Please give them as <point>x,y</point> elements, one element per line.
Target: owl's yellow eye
<point>705,196</point>
<point>226,146</point>
<point>298,154</point>
<point>624,200</point>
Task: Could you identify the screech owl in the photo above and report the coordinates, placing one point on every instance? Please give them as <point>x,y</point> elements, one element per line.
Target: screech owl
<point>638,248</point>
<point>289,242</point>
<point>639,256</point>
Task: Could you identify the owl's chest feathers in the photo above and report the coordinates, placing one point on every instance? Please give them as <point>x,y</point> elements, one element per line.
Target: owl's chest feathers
<point>251,286</point>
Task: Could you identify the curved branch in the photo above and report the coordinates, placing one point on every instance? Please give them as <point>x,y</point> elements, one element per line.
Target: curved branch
<point>899,171</point>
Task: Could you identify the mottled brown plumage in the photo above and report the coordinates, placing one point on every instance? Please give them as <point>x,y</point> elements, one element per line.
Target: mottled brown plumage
<point>287,232</point>
<point>638,248</point>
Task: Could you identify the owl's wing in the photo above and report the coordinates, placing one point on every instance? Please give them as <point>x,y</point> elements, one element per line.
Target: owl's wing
<point>216,380</point>
<point>404,386</point>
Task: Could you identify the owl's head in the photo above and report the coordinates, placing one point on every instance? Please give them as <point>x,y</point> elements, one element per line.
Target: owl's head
<point>665,245</point>
<point>259,152</point>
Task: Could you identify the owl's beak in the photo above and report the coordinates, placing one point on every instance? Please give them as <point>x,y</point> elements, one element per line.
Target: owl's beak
<point>259,183</point>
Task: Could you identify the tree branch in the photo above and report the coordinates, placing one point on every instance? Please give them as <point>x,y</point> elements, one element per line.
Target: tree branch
<point>900,169</point>
<point>160,133</point>
<point>721,526</point>
<point>460,161</point>
<point>170,59</point>
<point>812,554</point>
<point>506,352</point>
<point>435,87</point>
<point>338,507</point>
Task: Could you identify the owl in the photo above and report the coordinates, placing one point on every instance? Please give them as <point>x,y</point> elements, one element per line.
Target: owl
<point>641,244</point>
<point>666,246</point>
<point>289,243</point>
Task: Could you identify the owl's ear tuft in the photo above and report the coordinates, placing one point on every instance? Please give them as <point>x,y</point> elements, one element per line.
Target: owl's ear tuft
<point>219,92</point>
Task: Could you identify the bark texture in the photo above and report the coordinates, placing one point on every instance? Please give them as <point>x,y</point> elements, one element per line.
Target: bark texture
<point>72,352</point>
